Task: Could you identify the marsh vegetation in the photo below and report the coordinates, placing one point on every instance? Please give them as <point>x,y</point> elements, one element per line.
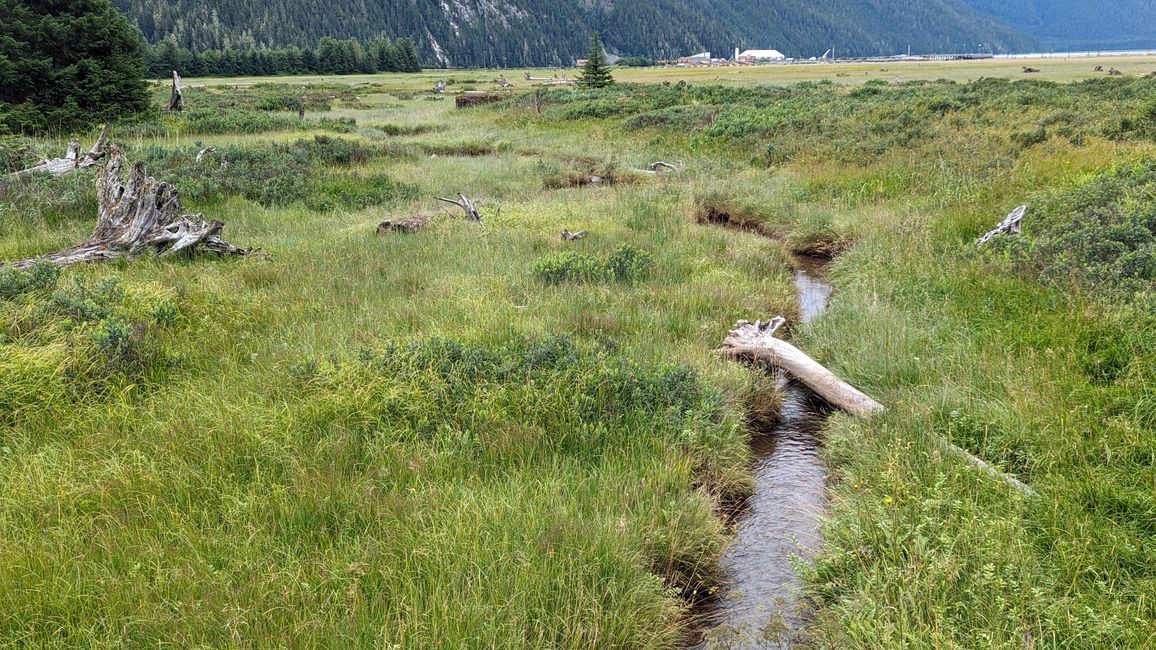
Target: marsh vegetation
<point>482,435</point>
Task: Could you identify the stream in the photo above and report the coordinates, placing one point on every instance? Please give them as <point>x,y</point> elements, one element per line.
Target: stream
<point>758,607</point>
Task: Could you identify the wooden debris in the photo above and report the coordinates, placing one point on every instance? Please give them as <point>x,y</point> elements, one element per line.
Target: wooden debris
<point>756,342</point>
<point>72,160</point>
<point>572,236</point>
<point>1098,68</point>
<point>1030,70</point>
<point>662,168</point>
<point>1009,226</point>
<point>440,88</point>
<point>203,152</point>
<point>142,215</point>
<point>177,100</point>
<point>466,205</point>
<point>986,468</point>
<point>407,225</point>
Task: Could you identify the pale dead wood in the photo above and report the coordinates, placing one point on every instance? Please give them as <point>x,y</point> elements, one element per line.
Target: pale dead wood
<point>572,236</point>
<point>137,216</point>
<point>662,168</point>
<point>1009,226</point>
<point>72,160</point>
<point>986,468</point>
<point>204,152</point>
<point>177,99</point>
<point>756,342</point>
<point>440,87</point>
<point>466,205</point>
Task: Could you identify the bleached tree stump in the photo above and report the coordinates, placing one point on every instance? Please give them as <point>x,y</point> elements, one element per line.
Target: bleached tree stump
<point>72,160</point>
<point>138,216</point>
<point>1009,226</point>
<point>756,342</point>
<point>177,99</point>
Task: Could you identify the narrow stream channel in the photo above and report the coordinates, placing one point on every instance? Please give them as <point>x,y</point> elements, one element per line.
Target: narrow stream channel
<point>758,608</point>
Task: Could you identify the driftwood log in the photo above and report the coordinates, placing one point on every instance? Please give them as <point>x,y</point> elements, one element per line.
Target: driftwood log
<point>1009,226</point>
<point>661,168</point>
<point>572,236</point>
<point>137,216</point>
<point>72,160</point>
<point>466,205</point>
<point>756,342</point>
<point>177,99</point>
<point>407,225</point>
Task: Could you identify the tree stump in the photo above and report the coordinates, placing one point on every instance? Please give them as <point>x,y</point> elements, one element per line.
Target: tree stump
<point>138,216</point>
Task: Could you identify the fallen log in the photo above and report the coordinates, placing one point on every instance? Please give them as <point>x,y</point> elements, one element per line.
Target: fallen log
<point>1009,226</point>
<point>177,100</point>
<point>72,160</point>
<point>466,205</point>
<point>986,468</point>
<point>572,236</point>
<point>142,215</point>
<point>756,342</point>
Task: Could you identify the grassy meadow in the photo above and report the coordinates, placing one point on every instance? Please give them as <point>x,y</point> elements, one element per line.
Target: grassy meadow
<point>483,436</point>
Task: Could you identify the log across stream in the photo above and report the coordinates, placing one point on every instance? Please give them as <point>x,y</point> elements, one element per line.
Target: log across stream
<point>758,605</point>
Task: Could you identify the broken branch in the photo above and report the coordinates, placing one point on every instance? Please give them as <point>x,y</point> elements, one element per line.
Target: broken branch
<point>1009,226</point>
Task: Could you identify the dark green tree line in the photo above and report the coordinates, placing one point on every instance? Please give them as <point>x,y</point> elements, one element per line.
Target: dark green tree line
<point>67,64</point>
<point>332,56</point>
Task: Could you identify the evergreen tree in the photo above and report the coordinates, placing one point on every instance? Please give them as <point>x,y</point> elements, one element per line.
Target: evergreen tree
<point>596,73</point>
<point>67,64</point>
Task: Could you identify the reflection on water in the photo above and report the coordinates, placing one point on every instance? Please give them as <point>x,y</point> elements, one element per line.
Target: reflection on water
<point>758,607</point>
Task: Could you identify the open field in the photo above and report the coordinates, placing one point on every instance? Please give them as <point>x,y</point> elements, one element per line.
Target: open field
<point>1051,69</point>
<point>482,436</point>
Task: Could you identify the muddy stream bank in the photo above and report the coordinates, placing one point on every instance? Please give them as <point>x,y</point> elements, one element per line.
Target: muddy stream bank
<point>758,605</point>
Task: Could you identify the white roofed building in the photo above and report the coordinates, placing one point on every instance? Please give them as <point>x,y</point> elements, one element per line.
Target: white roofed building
<point>751,56</point>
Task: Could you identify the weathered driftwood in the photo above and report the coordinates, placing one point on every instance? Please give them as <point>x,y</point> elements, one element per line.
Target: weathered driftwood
<point>986,468</point>
<point>407,225</point>
<point>572,236</point>
<point>72,161</point>
<point>204,152</point>
<point>756,342</point>
<point>440,87</point>
<point>140,215</point>
<point>466,205</point>
<point>1010,225</point>
<point>662,168</point>
<point>177,99</point>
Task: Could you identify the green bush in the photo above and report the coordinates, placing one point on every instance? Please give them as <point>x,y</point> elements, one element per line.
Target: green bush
<point>627,265</point>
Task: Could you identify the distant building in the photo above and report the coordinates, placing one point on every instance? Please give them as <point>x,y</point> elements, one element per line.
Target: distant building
<point>754,56</point>
<point>702,58</point>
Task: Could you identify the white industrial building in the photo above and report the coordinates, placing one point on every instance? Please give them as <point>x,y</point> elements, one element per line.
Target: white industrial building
<point>754,56</point>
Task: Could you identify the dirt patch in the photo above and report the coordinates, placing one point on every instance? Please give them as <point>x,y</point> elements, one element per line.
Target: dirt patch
<point>410,224</point>
<point>471,99</point>
<point>821,250</point>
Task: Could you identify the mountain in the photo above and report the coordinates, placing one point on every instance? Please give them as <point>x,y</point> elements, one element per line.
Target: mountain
<point>1078,24</point>
<point>510,33</point>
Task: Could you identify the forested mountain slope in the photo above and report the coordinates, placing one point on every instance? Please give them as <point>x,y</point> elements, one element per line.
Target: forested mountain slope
<point>1079,24</point>
<point>548,32</point>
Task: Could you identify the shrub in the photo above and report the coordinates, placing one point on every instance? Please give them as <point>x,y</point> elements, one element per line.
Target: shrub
<point>627,265</point>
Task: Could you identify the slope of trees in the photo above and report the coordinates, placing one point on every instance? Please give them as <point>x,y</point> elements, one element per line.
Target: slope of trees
<point>331,56</point>
<point>66,64</point>
<point>507,33</point>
